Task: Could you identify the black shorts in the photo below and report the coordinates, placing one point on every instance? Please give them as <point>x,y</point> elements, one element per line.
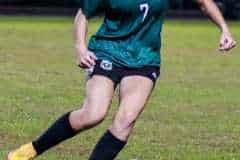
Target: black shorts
<point>116,73</point>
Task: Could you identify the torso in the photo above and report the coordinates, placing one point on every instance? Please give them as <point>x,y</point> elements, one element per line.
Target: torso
<point>130,34</point>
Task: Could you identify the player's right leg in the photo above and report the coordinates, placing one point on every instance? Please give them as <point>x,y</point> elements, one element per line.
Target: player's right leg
<point>99,93</point>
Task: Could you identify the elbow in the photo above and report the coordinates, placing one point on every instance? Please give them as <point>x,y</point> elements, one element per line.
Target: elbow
<point>202,4</point>
<point>79,16</point>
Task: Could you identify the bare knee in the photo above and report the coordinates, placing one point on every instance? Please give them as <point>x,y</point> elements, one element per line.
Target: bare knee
<point>93,118</point>
<point>86,118</point>
<point>123,125</point>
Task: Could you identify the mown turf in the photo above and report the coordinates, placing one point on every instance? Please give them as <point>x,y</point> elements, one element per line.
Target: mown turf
<point>193,113</point>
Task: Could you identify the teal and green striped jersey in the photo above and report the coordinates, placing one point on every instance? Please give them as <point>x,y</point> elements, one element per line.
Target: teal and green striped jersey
<point>130,35</point>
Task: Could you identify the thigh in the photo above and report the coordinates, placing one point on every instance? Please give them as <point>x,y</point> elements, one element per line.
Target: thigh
<point>99,93</point>
<point>134,93</point>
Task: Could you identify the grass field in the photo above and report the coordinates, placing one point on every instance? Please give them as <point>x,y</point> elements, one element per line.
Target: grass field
<point>194,113</point>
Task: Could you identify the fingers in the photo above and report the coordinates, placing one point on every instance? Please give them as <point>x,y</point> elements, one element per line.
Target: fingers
<point>227,44</point>
<point>90,60</point>
<point>224,46</point>
<point>84,64</point>
<point>230,46</point>
<point>87,60</point>
<point>92,55</point>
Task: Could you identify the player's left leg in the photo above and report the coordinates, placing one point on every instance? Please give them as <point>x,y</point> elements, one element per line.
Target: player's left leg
<point>134,93</point>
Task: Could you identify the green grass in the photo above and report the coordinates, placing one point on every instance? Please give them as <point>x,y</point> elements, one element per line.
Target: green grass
<point>193,113</point>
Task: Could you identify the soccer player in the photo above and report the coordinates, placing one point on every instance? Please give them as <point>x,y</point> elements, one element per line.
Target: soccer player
<point>124,52</point>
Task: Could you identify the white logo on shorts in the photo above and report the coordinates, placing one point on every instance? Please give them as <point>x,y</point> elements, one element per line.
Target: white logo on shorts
<point>106,65</point>
<point>154,74</point>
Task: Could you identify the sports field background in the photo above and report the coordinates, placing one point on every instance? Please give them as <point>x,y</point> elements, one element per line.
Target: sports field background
<point>194,113</point>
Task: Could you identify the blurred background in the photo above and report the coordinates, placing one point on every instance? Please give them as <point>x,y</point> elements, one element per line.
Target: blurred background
<point>193,113</point>
<point>182,8</point>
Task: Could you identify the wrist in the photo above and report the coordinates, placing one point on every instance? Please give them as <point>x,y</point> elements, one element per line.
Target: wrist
<point>224,29</point>
<point>81,48</point>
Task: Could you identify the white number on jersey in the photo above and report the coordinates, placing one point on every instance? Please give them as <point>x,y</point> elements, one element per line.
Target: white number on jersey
<point>144,8</point>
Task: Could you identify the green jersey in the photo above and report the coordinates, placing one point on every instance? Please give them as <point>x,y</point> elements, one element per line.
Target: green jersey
<point>130,35</point>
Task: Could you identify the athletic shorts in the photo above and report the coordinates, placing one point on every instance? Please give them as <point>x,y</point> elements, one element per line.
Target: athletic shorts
<point>116,74</point>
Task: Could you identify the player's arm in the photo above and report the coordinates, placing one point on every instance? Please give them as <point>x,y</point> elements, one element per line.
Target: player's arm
<point>85,58</point>
<point>227,42</point>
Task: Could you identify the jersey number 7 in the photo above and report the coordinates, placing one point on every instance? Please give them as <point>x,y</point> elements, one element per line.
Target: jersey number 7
<point>144,8</point>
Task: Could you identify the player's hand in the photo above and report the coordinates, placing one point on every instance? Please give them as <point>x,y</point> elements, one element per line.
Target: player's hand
<point>85,58</point>
<point>227,42</point>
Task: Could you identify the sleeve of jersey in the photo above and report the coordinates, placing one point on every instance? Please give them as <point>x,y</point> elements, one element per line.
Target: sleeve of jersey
<point>91,7</point>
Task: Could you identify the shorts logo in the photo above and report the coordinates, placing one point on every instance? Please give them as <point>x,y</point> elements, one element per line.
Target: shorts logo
<point>106,65</point>
<point>154,74</point>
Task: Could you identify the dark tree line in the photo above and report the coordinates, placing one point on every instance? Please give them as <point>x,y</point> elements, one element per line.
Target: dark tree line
<point>230,8</point>
<point>50,3</point>
<point>69,3</point>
